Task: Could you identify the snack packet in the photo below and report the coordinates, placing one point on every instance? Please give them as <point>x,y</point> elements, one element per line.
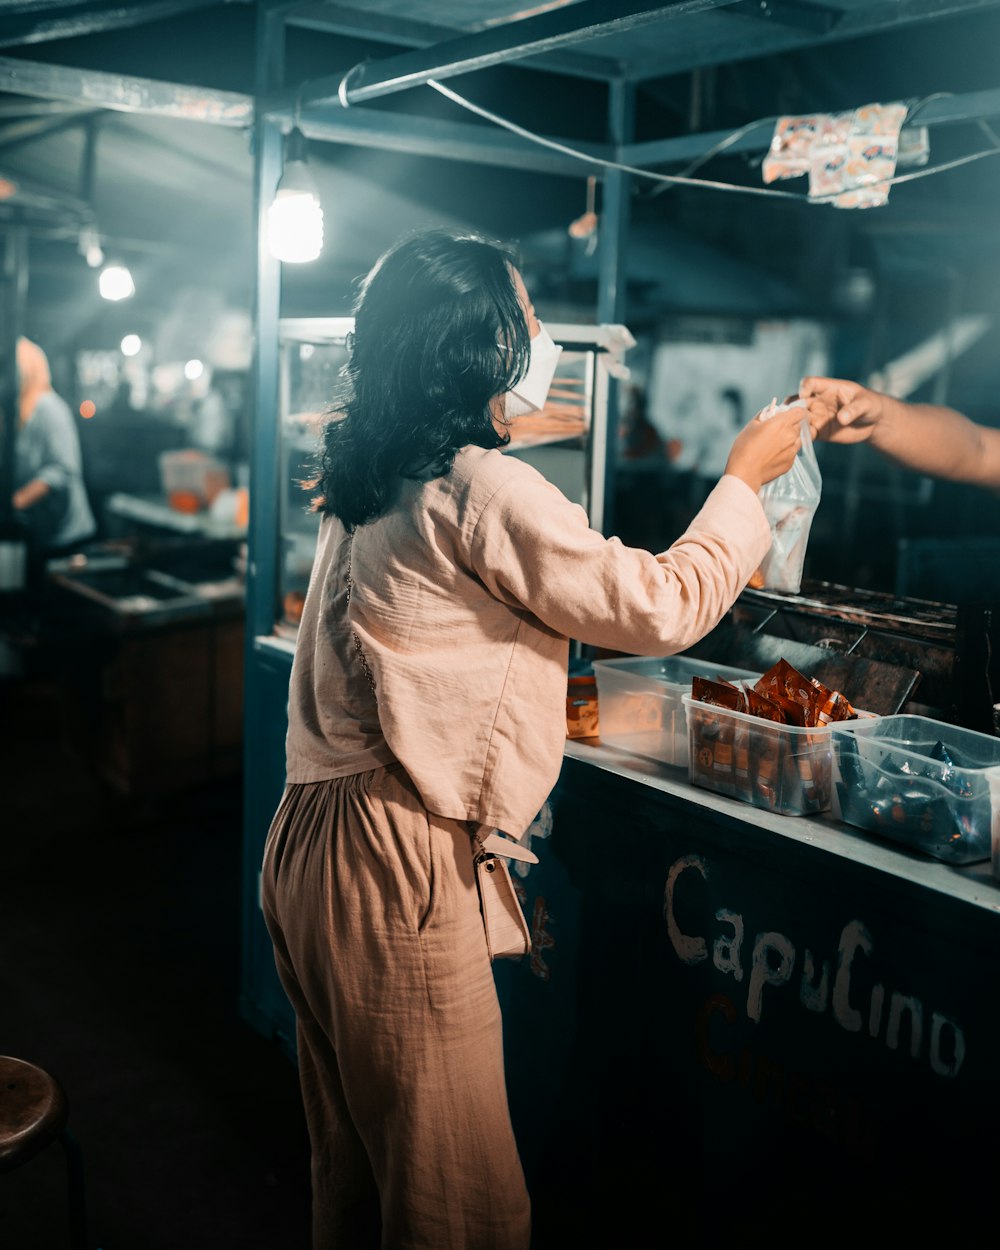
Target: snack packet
<point>791,144</point>
<point>720,693</point>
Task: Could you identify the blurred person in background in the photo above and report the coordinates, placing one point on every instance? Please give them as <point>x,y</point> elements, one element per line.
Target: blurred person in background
<point>50,499</point>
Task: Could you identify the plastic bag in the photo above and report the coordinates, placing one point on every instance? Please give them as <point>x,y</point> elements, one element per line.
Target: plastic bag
<point>790,503</point>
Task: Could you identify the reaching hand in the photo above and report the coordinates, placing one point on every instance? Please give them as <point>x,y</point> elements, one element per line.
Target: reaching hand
<point>841,411</point>
<point>764,450</point>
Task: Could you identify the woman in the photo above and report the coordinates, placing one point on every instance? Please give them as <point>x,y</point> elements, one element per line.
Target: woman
<point>427,703</point>
<point>50,498</point>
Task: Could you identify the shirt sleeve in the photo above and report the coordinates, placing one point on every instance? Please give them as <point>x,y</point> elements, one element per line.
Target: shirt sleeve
<point>533,548</point>
<point>61,460</point>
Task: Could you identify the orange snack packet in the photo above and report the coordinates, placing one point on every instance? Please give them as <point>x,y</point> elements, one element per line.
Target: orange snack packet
<point>764,707</point>
<point>718,693</point>
<point>783,682</point>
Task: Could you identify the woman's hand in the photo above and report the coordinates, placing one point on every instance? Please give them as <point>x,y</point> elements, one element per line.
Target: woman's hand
<point>841,411</point>
<point>766,449</point>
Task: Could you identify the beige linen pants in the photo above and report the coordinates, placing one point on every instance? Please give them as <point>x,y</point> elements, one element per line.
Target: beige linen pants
<point>372,908</point>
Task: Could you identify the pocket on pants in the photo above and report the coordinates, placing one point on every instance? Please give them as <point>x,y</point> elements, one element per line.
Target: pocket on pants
<point>413,844</point>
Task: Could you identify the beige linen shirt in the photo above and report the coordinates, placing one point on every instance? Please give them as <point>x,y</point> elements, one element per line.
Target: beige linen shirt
<point>465,594</point>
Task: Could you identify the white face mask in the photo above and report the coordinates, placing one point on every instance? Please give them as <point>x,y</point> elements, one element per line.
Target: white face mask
<point>529,394</point>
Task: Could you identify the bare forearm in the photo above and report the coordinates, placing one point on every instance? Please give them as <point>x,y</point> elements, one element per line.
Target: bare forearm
<point>30,493</point>
<point>938,441</point>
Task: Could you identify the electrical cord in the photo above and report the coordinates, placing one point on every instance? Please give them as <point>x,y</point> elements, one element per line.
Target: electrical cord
<point>712,152</point>
<point>708,184</point>
<point>514,128</point>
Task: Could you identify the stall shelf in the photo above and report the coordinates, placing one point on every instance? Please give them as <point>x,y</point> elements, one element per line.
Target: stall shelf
<point>154,515</point>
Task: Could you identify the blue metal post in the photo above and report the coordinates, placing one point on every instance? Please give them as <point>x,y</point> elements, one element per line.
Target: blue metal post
<point>263,532</point>
<point>13,288</point>
<point>611,273</point>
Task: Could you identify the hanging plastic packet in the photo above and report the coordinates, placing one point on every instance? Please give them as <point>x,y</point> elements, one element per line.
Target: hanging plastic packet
<point>850,157</point>
<point>789,503</point>
<point>791,145</point>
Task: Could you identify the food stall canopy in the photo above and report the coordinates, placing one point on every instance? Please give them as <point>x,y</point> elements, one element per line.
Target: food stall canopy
<point>167,119</point>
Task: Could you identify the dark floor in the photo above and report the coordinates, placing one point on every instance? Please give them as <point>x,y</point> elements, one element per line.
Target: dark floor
<point>119,974</point>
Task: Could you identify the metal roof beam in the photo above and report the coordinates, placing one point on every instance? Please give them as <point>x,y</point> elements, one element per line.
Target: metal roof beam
<point>972,106</point>
<point>497,45</point>
<point>96,89</point>
<point>747,38</point>
<point>35,108</point>
<point>366,127</point>
<point>458,141</point>
<point>340,19</point>
<point>27,23</point>
<point>817,18</point>
<point>30,131</point>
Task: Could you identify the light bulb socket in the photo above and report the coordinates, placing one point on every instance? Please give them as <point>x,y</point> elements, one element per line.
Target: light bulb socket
<point>296,146</point>
<point>89,246</point>
<point>296,177</point>
<point>295,173</point>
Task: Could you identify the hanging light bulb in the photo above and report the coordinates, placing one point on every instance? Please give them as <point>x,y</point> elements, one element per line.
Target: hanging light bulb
<point>89,246</point>
<point>115,281</point>
<point>295,217</point>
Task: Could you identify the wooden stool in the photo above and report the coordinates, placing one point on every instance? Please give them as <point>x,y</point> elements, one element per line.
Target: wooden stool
<point>33,1114</point>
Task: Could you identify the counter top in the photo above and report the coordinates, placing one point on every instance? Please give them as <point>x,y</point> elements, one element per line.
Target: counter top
<point>970,883</point>
<point>154,510</point>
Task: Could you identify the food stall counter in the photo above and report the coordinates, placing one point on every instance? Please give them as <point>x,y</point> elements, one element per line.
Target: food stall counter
<point>765,1025</point>
<point>154,513</point>
<point>972,883</point>
<point>723,999</point>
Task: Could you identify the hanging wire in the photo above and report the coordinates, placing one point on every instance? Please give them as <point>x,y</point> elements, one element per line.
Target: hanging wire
<point>514,128</point>
<point>708,184</point>
<point>712,152</point>
<point>914,109</point>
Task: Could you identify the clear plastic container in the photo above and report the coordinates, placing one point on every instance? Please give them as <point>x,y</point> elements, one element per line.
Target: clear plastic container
<point>639,702</point>
<point>191,479</point>
<point>931,786</point>
<point>782,768</point>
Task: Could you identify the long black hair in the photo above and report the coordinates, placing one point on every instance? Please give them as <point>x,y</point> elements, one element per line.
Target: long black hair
<point>438,332</point>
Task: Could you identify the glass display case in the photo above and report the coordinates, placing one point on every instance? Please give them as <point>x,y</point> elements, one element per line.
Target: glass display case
<point>312,352</point>
<point>566,441</point>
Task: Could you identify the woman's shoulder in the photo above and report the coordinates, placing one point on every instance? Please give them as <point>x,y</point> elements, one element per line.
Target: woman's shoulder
<point>51,411</point>
<point>492,483</point>
<point>483,471</point>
